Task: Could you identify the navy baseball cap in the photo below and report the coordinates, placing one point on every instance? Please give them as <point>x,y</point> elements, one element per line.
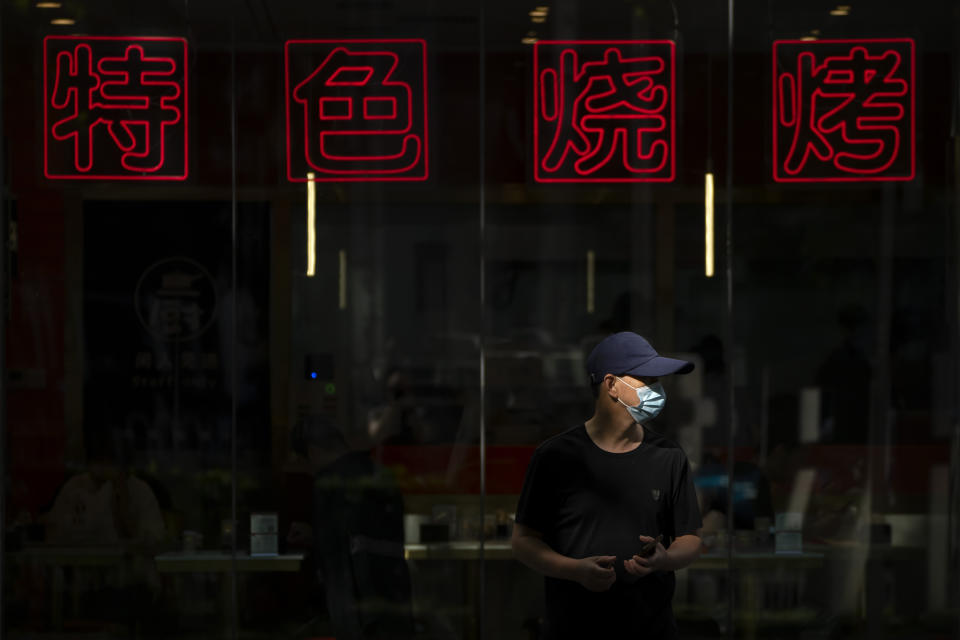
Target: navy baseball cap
<point>627,353</point>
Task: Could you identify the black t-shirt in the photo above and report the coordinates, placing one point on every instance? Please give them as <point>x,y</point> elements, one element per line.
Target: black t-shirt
<point>590,502</point>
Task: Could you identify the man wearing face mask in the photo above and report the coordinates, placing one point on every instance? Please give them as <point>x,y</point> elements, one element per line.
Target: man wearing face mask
<point>597,494</point>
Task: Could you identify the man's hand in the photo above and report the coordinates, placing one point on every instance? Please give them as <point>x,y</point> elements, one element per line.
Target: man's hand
<point>596,573</point>
<point>643,566</point>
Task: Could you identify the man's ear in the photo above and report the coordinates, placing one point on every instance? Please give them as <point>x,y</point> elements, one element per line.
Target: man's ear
<point>609,384</point>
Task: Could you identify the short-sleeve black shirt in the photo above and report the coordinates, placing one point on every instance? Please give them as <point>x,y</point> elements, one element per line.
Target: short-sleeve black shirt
<point>590,502</point>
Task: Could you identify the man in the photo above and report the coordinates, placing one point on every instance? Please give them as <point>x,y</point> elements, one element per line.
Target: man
<point>105,505</point>
<point>109,506</point>
<point>595,494</point>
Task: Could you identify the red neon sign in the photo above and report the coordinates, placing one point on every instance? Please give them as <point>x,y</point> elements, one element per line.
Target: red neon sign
<point>843,110</point>
<point>115,108</point>
<point>356,110</point>
<point>604,111</point>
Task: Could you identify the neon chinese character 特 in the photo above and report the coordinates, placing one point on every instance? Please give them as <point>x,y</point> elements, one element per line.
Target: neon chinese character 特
<point>115,108</point>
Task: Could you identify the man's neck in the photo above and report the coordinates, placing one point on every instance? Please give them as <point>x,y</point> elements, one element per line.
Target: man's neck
<point>613,433</point>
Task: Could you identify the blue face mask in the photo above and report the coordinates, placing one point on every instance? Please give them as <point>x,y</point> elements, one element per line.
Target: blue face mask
<point>652,398</point>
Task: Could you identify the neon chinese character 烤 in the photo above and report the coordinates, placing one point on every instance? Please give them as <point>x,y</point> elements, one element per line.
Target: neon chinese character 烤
<point>604,111</point>
<point>115,108</point>
<point>843,110</point>
<point>356,110</point>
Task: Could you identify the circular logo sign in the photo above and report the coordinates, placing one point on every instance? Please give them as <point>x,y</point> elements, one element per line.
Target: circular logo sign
<point>176,299</point>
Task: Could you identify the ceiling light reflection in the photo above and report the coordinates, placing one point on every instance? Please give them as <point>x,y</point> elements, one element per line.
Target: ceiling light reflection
<point>708,227</point>
<point>311,224</point>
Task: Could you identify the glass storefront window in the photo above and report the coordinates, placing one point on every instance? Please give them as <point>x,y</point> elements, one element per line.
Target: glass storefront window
<point>292,293</point>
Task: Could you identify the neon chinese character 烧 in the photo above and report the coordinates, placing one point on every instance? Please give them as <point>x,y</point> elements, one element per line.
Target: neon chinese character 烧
<point>604,111</point>
<point>356,110</point>
<point>115,108</point>
<point>843,110</point>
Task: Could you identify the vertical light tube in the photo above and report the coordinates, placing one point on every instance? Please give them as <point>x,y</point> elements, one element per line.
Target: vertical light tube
<point>343,279</point>
<point>708,230</point>
<point>311,225</point>
<point>591,281</point>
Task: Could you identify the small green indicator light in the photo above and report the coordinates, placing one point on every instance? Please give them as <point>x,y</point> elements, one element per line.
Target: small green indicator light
<point>330,388</point>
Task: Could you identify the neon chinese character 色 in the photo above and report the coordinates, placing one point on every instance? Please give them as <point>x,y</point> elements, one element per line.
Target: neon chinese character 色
<point>604,111</point>
<point>356,110</point>
<point>843,110</point>
<point>115,108</point>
